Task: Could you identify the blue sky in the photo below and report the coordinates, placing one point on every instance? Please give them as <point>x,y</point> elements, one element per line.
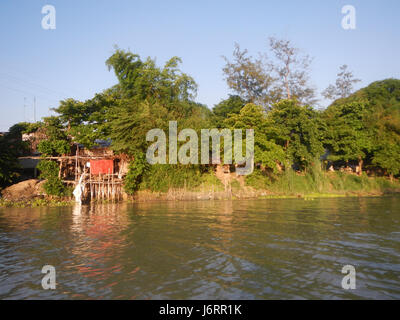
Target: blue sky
<point>70,61</point>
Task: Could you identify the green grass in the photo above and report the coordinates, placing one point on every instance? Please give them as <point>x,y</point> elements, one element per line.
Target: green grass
<point>318,182</point>
<point>161,178</point>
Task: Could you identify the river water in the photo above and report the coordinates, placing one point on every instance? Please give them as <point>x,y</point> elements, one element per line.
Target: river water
<point>256,249</point>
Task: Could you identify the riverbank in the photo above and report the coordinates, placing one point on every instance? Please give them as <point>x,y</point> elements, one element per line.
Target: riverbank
<point>289,186</point>
<point>182,195</point>
<point>248,194</point>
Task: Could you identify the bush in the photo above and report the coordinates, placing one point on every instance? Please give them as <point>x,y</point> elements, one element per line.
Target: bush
<point>162,177</point>
<point>137,168</point>
<point>54,147</point>
<point>53,185</point>
<point>258,180</point>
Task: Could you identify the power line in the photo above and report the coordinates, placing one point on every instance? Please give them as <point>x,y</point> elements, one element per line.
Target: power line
<point>29,93</point>
<point>49,91</point>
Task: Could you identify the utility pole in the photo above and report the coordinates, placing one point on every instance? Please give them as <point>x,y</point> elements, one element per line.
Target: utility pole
<point>34,109</point>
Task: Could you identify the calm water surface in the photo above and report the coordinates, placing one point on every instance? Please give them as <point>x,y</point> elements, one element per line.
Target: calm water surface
<point>258,249</point>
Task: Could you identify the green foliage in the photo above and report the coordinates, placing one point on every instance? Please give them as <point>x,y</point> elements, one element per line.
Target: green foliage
<point>348,135</point>
<point>150,96</point>
<point>318,182</point>
<point>137,168</point>
<point>162,177</point>
<point>366,126</point>
<point>9,168</point>
<point>54,186</point>
<point>12,147</point>
<point>258,179</point>
<point>267,152</point>
<point>57,142</point>
<point>298,129</point>
<point>36,202</point>
<point>49,172</point>
<point>228,106</point>
<point>388,157</point>
<point>88,121</point>
<point>54,147</point>
<point>363,127</point>
<point>143,80</point>
<point>208,179</point>
<point>48,169</point>
<point>133,120</point>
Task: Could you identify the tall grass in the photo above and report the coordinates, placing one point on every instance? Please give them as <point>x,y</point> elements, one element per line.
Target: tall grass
<point>318,181</point>
<point>161,178</point>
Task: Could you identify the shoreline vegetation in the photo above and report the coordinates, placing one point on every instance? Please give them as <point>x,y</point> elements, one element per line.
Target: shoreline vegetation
<point>350,148</point>
<point>295,187</point>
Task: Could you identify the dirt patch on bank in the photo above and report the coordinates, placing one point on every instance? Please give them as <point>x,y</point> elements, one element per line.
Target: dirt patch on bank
<point>25,190</point>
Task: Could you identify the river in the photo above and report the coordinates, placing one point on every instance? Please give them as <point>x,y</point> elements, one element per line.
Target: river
<point>243,249</point>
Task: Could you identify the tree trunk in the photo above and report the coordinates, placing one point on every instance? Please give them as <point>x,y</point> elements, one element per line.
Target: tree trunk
<point>360,164</point>
<point>289,96</point>
<point>60,169</point>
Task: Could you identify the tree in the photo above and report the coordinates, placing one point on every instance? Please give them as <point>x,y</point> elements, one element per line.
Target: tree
<point>132,120</point>
<point>9,168</point>
<point>267,153</point>
<point>71,112</point>
<point>148,97</point>
<point>387,156</point>
<point>53,185</point>
<point>57,142</point>
<point>266,81</point>
<point>367,123</point>
<point>228,106</point>
<point>292,71</point>
<point>250,78</point>
<point>343,86</point>
<point>297,129</point>
<point>143,80</point>
<point>349,137</point>
<point>12,147</point>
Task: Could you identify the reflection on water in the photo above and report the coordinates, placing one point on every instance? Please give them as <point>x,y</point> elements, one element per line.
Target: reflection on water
<point>258,249</point>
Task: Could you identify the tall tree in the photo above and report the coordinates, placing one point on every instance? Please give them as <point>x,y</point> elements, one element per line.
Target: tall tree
<point>292,69</point>
<point>367,123</point>
<point>267,152</point>
<point>249,77</point>
<point>349,136</point>
<point>265,80</point>
<point>297,128</point>
<point>144,80</point>
<point>344,85</point>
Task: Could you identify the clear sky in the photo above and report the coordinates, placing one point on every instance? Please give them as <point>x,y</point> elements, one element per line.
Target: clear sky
<point>70,60</point>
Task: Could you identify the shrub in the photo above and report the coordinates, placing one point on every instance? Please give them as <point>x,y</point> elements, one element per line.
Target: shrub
<point>53,185</point>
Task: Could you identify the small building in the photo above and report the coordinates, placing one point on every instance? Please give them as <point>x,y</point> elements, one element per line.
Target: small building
<point>97,169</point>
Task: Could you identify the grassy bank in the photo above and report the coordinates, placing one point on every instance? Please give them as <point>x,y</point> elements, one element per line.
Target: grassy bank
<point>174,186</point>
<point>322,183</point>
<point>259,185</point>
